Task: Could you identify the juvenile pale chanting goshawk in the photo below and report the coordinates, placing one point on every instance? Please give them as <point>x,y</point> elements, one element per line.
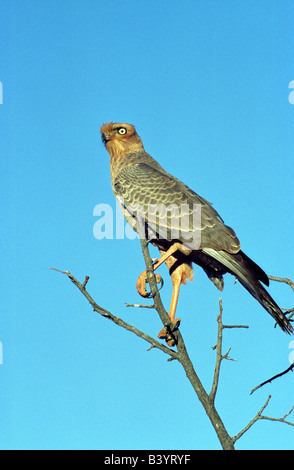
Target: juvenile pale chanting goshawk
<point>143,189</point>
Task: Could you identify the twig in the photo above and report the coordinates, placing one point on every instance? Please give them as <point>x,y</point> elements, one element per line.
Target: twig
<point>280,420</point>
<point>256,418</point>
<point>140,305</point>
<point>289,313</point>
<point>290,283</point>
<point>287,310</point>
<point>85,282</point>
<point>118,321</point>
<point>286,280</point>
<point>218,348</point>
<point>181,355</point>
<point>261,416</point>
<point>235,326</point>
<point>227,357</point>
<point>273,378</point>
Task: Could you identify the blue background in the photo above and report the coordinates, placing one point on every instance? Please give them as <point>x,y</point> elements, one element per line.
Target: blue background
<point>207,85</point>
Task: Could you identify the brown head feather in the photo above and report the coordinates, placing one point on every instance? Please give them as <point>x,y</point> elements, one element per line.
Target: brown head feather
<point>120,138</point>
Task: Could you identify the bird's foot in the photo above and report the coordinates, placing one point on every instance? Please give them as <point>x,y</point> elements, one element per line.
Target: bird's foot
<point>167,333</point>
<point>142,281</point>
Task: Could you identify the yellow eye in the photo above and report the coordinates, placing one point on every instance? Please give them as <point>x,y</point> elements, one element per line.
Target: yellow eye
<point>122,131</point>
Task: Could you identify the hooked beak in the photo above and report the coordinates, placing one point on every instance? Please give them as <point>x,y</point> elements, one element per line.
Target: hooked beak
<point>105,138</point>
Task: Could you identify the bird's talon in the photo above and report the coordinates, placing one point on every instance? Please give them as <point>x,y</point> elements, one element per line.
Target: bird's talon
<point>143,281</point>
<point>176,322</point>
<point>159,280</point>
<point>170,341</point>
<point>149,295</point>
<point>163,333</point>
<point>166,332</point>
<point>141,285</point>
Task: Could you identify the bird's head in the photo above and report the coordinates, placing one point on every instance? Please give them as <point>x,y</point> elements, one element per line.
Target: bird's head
<point>120,137</point>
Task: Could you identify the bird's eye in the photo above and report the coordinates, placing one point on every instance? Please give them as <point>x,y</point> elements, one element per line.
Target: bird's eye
<point>122,131</point>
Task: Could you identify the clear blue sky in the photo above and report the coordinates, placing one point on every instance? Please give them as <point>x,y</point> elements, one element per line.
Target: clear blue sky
<point>206,84</point>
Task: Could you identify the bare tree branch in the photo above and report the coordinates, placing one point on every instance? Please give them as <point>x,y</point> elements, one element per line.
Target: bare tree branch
<point>280,420</point>
<point>261,416</point>
<point>291,368</point>
<point>139,305</point>
<point>218,347</point>
<point>286,280</point>
<point>118,321</point>
<point>256,418</point>
<point>184,358</point>
<point>181,355</point>
<point>289,311</point>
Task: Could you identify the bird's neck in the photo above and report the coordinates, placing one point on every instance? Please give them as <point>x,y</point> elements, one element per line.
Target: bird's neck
<point>120,156</point>
<point>120,147</point>
<point>117,163</point>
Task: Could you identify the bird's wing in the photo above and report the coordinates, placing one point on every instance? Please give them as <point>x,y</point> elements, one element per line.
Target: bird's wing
<point>171,208</point>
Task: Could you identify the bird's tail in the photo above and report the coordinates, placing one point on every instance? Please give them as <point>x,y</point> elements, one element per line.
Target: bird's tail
<point>251,275</point>
<point>268,303</point>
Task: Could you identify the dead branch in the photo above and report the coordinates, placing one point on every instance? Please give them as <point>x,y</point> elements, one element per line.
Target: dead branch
<point>291,368</point>
<point>118,321</point>
<point>286,280</point>
<point>280,420</point>
<point>139,305</point>
<point>181,355</point>
<point>259,416</point>
<point>290,313</point>
<point>256,418</point>
<point>184,358</point>
<point>218,348</point>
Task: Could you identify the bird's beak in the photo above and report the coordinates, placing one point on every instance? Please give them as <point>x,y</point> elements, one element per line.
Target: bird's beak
<point>105,138</point>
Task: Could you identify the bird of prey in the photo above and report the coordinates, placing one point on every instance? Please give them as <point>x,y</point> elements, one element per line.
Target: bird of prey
<point>144,189</point>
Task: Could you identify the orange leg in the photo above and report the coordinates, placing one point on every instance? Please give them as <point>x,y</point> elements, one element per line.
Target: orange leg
<point>176,280</point>
<point>164,333</point>
<point>142,279</point>
<point>174,299</point>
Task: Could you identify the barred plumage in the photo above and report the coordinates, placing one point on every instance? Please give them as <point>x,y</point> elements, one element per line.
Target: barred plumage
<point>143,188</point>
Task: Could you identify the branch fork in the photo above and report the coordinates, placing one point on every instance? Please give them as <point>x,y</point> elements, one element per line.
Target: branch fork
<point>181,355</point>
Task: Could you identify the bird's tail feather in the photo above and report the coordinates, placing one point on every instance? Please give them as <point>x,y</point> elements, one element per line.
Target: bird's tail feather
<point>250,275</point>
<point>268,303</point>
